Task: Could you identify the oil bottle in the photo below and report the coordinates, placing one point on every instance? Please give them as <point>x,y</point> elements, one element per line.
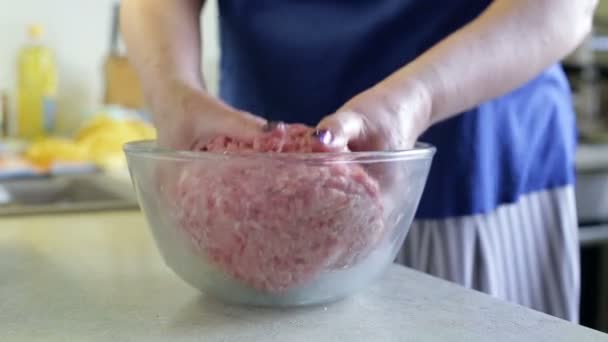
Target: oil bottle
<point>36,87</point>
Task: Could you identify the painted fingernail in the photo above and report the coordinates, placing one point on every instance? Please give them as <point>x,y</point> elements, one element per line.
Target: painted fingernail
<point>324,136</point>
<point>271,126</point>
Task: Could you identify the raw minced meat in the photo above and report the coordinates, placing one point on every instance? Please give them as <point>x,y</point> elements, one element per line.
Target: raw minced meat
<point>274,224</point>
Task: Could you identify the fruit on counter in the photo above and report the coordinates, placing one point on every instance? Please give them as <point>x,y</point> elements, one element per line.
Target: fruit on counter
<point>99,141</point>
<point>104,137</point>
<point>45,152</point>
<point>104,123</point>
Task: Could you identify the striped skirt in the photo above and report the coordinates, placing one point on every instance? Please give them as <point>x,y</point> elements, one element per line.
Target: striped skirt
<point>526,253</point>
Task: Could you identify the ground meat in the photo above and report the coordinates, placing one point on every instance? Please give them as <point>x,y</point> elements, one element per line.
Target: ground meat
<point>274,225</point>
<point>283,138</point>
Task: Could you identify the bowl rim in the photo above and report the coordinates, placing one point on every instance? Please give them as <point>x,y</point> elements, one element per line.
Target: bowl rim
<point>148,149</point>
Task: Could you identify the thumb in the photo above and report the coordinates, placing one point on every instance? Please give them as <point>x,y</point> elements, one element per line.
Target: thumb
<point>340,130</point>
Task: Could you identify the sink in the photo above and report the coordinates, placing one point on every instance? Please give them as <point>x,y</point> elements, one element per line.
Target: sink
<point>92,192</point>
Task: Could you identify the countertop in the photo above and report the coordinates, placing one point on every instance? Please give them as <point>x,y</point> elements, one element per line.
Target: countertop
<point>98,277</point>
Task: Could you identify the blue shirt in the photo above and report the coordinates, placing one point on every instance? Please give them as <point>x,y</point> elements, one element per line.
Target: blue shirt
<point>299,60</point>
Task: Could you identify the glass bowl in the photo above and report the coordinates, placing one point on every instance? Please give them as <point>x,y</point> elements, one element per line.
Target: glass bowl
<point>278,229</point>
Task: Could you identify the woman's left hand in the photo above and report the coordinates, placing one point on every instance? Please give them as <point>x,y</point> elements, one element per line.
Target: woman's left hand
<point>384,117</point>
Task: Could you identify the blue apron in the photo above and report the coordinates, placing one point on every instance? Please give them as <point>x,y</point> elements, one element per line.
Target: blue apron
<point>299,60</point>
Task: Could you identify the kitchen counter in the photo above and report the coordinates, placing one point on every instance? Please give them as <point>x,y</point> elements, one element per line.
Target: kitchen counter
<point>98,277</point>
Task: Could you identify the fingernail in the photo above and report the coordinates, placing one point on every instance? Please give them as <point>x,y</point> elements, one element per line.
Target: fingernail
<point>271,126</point>
<point>324,136</point>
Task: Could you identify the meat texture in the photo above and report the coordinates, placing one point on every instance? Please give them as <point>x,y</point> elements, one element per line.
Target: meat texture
<point>275,223</point>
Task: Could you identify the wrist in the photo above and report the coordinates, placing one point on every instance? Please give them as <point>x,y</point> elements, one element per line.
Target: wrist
<point>177,111</point>
<point>171,99</point>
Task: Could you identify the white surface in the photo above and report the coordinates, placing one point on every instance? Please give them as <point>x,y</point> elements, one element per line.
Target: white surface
<point>592,157</point>
<point>592,183</point>
<point>98,277</point>
<point>592,196</point>
<point>594,235</point>
<point>79,33</point>
<point>5,196</point>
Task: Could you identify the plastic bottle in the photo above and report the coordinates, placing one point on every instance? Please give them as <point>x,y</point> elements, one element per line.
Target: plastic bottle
<point>36,87</point>
<point>3,114</point>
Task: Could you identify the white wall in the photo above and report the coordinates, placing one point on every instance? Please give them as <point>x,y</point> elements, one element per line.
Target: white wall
<point>211,49</point>
<point>79,33</point>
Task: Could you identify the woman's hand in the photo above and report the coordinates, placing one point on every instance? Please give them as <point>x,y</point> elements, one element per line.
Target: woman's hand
<point>385,117</point>
<point>185,116</point>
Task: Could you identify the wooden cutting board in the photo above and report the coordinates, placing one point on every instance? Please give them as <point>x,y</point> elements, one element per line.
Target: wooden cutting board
<point>122,84</point>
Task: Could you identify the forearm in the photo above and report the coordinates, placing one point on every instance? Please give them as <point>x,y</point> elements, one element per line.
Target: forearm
<point>510,43</point>
<point>164,42</point>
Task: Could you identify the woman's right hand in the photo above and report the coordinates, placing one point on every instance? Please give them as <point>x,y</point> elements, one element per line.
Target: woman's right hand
<point>185,116</point>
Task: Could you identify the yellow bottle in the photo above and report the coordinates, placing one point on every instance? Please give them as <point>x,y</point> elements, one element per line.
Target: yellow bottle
<point>36,87</point>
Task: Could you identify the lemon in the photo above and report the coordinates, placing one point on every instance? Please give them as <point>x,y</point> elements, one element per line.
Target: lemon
<point>104,138</point>
<point>45,152</point>
<point>99,141</point>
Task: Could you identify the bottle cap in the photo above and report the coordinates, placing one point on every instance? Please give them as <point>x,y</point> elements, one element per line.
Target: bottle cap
<point>35,31</point>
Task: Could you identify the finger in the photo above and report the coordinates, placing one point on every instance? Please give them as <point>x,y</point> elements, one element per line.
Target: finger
<point>247,122</point>
<point>335,132</point>
<point>241,125</point>
<point>273,125</point>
